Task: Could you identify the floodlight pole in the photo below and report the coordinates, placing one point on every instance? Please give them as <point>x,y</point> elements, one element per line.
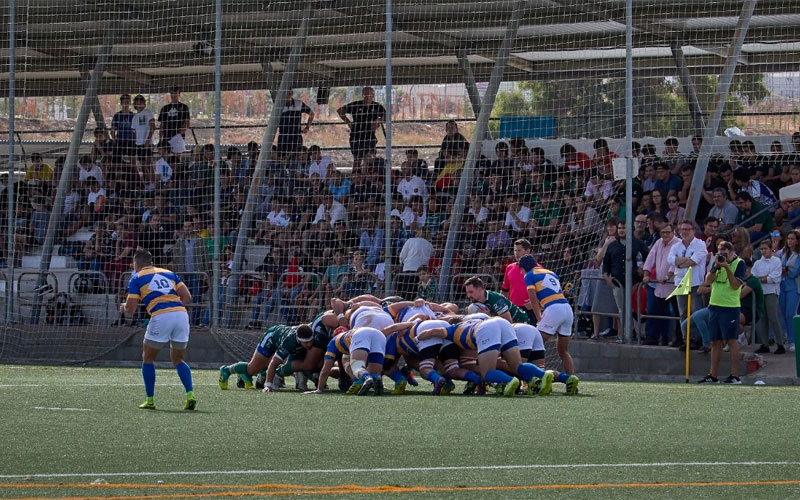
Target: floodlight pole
<point>720,97</point>
<point>627,317</point>
<point>69,163</point>
<point>217,161</point>
<point>387,188</point>
<point>12,57</point>
<point>266,150</point>
<point>481,126</point>
<point>688,88</point>
<point>97,111</point>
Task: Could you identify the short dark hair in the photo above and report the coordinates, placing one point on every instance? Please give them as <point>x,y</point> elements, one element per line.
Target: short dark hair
<point>474,281</point>
<point>600,143</point>
<point>744,196</point>
<point>143,258</point>
<point>304,333</point>
<point>125,97</point>
<point>671,141</point>
<point>176,90</point>
<point>741,174</point>
<point>709,220</point>
<point>523,243</point>
<point>567,148</point>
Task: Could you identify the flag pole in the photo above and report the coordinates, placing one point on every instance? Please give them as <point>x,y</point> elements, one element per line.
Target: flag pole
<point>688,328</point>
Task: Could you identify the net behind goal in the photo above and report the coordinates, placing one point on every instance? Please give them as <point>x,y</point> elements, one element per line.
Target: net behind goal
<point>116,149</point>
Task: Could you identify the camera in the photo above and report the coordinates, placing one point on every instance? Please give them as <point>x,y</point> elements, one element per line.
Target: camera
<point>720,259</point>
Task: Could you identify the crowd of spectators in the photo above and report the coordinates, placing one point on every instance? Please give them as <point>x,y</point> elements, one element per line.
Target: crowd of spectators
<point>322,224</point>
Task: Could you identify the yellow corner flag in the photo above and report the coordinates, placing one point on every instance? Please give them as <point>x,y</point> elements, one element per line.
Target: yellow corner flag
<point>684,287</point>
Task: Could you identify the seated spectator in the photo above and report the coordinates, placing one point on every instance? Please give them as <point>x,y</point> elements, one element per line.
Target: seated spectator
<point>419,167</point>
<point>496,238</point>
<point>411,185</point>
<point>89,169</point>
<point>426,286</point>
<point>437,219</point>
<point>668,182</point>
<point>723,209</point>
<point>95,201</point>
<point>358,280</point>
<point>330,211</point>
<point>413,215</point>
<point>371,241</point>
<point>574,160</point>
<point>38,172</point>
<point>163,171</point>
<point>517,215</point>
<point>676,213</point>
<point>545,217</point>
<point>756,189</point>
<point>334,273</point>
<point>72,216</point>
<point>154,237</point>
<point>603,157</point>
<point>671,156</point>
<point>753,216</point>
<point>660,205</point>
<point>647,176</point>
<point>646,206</point>
<point>598,188</point>
<point>320,165</point>
<point>451,170</point>
<point>477,209</point>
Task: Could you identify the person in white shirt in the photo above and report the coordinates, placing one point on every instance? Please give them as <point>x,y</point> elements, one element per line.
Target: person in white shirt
<point>689,252</point>
<point>413,215</point>
<point>331,211</point>
<point>411,185</point>
<point>517,214</point>
<point>163,171</point>
<point>768,269</point>
<point>477,209</point>
<point>320,165</point>
<point>416,251</point>
<point>89,169</point>
<point>143,124</point>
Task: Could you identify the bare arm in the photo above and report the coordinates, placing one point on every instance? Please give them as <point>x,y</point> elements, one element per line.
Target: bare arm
<point>534,301</point>
<point>323,376</point>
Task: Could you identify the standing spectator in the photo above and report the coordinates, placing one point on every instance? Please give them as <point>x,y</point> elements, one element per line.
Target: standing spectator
<point>614,269</point>
<point>725,279</point>
<point>191,260</point>
<point>291,129</point>
<point>426,287</point>
<point>768,270</point>
<point>513,286</point>
<point>174,121</point>
<point>143,124</point>
<point>367,116</point>
<point>122,128</point>
<point>453,142</point>
<point>753,216</point>
<point>790,284</point>
<point>658,278</point>
<point>688,253</point>
<point>416,252</point>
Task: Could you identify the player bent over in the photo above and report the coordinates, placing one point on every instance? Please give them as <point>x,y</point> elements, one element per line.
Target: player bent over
<point>164,296</point>
<point>272,339</point>
<point>490,337</point>
<point>365,348</point>
<point>293,345</point>
<point>544,292</point>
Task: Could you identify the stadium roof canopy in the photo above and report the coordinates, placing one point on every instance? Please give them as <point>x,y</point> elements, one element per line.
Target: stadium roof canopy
<point>161,43</point>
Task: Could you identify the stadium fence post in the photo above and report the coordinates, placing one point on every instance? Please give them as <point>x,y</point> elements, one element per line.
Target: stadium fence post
<point>218,161</point>
<point>266,149</point>
<point>481,126</point>
<point>12,57</point>
<point>387,135</point>
<point>627,324</point>
<point>796,332</point>
<point>720,97</point>
<point>72,154</point>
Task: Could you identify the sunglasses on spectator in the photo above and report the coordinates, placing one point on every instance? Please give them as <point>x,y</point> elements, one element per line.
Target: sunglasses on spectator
<point>673,201</point>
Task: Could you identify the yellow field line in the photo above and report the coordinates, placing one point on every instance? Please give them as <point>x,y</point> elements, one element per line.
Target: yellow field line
<point>290,489</point>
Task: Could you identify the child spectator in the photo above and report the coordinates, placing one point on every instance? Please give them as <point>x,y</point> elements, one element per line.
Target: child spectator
<point>426,287</point>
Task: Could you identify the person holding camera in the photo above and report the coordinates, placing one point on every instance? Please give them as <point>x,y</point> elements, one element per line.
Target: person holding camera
<point>725,279</point>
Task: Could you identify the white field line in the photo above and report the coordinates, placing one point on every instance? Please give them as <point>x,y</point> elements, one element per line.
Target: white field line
<point>397,469</point>
<point>61,409</point>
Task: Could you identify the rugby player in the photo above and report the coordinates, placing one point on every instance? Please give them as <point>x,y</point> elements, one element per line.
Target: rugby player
<point>553,314</point>
<point>164,296</point>
<point>491,337</point>
<point>270,342</point>
<point>498,304</point>
<point>366,348</point>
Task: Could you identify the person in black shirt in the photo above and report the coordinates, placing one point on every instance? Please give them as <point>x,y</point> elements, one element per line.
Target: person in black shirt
<point>367,116</point>
<point>291,129</point>
<point>173,121</point>
<point>614,267</point>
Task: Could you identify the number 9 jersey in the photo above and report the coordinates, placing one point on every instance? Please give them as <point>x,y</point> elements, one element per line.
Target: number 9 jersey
<point>155,288</point>
<point>546,285</point>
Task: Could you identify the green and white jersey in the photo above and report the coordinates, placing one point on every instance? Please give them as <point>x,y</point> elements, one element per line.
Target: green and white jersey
<point>499,304</point>
<point>272,339</point>
<point>322,335</point>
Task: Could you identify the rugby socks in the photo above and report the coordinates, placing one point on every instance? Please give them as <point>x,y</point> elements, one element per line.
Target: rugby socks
<point>239,368</point>
<point>498,377</point>
<point>397,376</point>
<point>185,374</point>
<point>527,371</point>
<point>471,376</point>
<point>149,376</point>
<point>285,369</point>
<point>433,377</point>
<point>562,377</point>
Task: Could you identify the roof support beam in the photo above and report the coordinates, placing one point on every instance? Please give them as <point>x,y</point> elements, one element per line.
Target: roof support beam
<point>720,98</point>
<point>89,100</point>
<point>97,112</point>
<point>688,88</point>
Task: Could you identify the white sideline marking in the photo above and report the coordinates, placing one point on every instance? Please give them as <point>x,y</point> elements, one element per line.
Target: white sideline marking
<point>61,409</point>
<point>395,469</point>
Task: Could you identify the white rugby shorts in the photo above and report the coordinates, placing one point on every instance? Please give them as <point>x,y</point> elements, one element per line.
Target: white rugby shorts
<point>529,337</point>
<point>492,332</point>
<point>429,325</point>
<point>369,339</point>
<point>556,318</point>
<point>172,327</point>
<point>373,318</point>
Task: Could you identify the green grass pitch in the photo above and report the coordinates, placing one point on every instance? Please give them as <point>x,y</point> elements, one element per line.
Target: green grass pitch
<point>65,427</point>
